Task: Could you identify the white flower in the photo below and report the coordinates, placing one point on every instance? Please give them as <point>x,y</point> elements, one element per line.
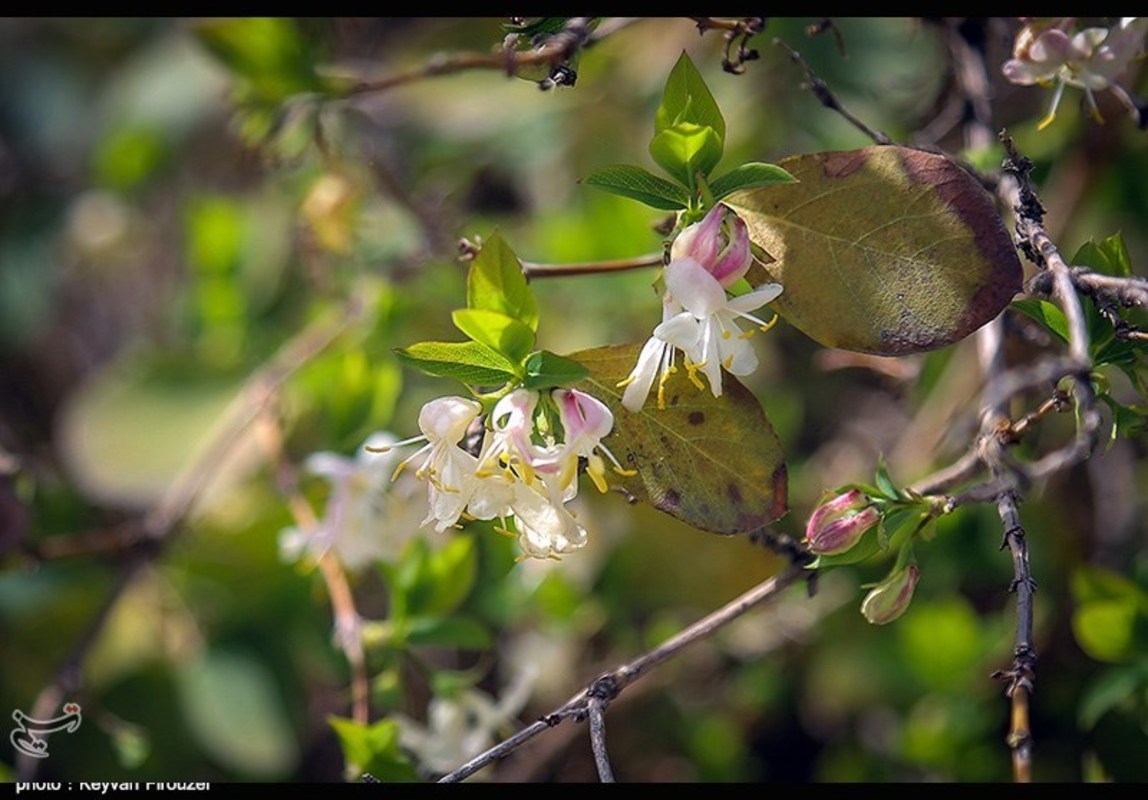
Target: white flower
<point>448,469</point>
<point>706,332</point>
<point>698,317</point>
<point>1091,60</point>
<point>365,518</point>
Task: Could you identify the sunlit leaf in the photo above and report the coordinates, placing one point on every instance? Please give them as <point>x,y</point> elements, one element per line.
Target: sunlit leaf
<point>685,150</point>
<point>714,463</point>
<point>496,330</point>
<point>470,362</point>
<point>686,98</point>
<point>748,176</point>
<point>884,250</point>
<point>496,283</point>
<point>373,749</point>
<point>641,185</point>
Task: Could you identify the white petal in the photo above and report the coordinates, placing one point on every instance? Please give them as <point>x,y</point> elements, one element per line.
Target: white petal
<point>763,294</point>
<point>694,287</point>
<point>643,375</point>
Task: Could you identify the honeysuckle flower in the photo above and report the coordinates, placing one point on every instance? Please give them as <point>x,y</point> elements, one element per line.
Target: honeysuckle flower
<point>546,528</point>
<point>1091,59</point>
<point>512,447</point>
<point>838,524</point>
<point>448,469</point>
<point>707,331</point>
<point>890,598</point>
<point>365,519</point>
<point>585,421</point>
<point>698,317</point>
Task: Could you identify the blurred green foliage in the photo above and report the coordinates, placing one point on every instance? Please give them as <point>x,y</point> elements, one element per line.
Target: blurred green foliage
<point>183,202</point>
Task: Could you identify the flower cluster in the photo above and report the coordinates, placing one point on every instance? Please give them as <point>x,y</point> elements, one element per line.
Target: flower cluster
<point>698,316</point>
<point>1090,59</point>
<point>522,471</point>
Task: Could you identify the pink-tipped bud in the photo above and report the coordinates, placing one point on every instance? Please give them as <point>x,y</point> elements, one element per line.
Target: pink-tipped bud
<point>838,524</point>
<point>585,418</point>
<point>720,243</point>
<point>889,599</point>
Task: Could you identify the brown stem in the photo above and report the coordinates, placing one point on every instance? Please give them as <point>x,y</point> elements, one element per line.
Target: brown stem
<point>612,683</point>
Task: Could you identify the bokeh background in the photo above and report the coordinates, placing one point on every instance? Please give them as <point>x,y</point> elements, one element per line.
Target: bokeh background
<point>180,202</point>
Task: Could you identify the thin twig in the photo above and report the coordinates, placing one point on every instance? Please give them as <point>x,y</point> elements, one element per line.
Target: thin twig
<point>626,674</point>
<point>597,707</point>
<point>557,50</point>
<point>826,97</point>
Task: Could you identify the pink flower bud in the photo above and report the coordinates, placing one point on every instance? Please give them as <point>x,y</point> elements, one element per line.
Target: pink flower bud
<point>835,526</point>
<point>889,599</point>
<point>720,243</point>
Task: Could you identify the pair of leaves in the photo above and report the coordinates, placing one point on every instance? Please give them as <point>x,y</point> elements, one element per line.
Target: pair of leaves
<point>689,138</point>
<point>501,319</point>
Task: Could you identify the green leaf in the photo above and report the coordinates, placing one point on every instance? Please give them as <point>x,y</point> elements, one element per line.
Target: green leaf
<point>473,363</point>
<point>686,98</point>
<point>495,330</point>
<point>749,176</point>
<point>712,462</point>
<point>885,250</point>
<point>496,283</point>
<point>1109,257</point>
<point>1106,629</point>
<point>1111,619</point>
<point>1111,689</point>
<point>1046,313</point>
<point>273,57</point>
<point>436,583</point>
<point>373,748</point>
<point>686,149</point>
<point>462,632</point>
<point>545,370</point>
<point>233,710</point>
<point>641,185</point>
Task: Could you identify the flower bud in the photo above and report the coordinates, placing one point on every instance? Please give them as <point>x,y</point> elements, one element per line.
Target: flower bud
<point>835,526</point>
<point>720,243</point>
<point>889,599</point>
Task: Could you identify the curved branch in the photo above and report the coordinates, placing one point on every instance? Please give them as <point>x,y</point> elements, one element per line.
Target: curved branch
<point>578,706</point>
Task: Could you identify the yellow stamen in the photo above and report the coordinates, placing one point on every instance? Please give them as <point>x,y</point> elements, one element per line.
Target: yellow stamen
<point>725,334</point>
<point>692,373</point>
<point>728,362</point>
<point>623,383</point>
<point>770,324</point>
<point>596,469</point>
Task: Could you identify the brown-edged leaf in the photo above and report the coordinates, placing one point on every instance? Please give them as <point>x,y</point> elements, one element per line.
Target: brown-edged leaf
<point>712,462</point>
<point>884,250</point>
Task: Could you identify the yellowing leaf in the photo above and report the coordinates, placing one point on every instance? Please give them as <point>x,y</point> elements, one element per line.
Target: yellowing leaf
<point>712,462</point>
<point>884,250</point>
